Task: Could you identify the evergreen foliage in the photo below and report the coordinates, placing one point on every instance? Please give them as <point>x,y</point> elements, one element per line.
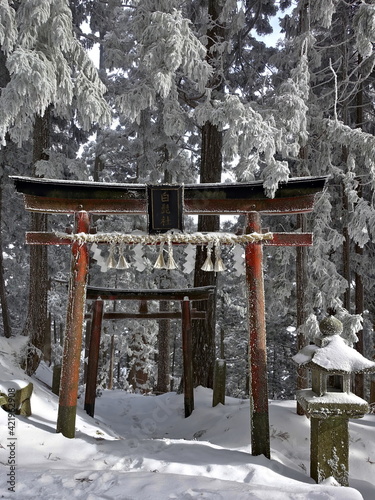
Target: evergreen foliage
<point>47,66</point>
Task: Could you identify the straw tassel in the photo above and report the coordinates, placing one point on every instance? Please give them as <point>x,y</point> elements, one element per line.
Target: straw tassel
<point>122,262</point>
<point>160,263</point>
<point>171,264</point>
<point>208,265</point>
<point>111,262</point>
<point>219,264</point>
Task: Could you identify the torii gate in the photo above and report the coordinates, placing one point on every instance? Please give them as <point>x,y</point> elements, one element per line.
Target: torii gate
<point>84,198</point>
<point>187,314</point>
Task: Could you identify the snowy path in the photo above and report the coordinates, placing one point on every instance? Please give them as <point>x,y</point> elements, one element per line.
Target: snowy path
<point>142,447</point>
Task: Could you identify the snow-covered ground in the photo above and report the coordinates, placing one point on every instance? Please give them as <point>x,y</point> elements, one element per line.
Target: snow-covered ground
<point>141,447</point>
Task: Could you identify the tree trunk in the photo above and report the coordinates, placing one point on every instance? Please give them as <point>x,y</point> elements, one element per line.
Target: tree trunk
<point>346,254</point>
<point>164,351</point>
<point>3,292</point>
<point>137,375</point>
<point>203,332</point>
<point>359,385</point>
<point>111,363</point>
<point>301,284</point>
<point>301,261</point>
<point>345,202</point>
<point>164,326</point>
<point>173,361</point>
<point>4,79</point>
<point>37,323</point>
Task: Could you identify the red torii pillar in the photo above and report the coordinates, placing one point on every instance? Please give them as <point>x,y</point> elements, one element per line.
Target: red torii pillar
<point>75,316</point>
<point>259,425</point>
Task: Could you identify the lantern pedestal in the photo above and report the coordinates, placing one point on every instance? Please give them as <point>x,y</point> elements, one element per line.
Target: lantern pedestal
<point>329,434</point>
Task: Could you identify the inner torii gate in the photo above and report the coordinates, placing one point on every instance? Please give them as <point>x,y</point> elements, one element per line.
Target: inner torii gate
<point>187,314</point>
<point>84,198</point>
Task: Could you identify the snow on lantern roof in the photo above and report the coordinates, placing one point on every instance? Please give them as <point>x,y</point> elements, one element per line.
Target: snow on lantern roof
<point>336,357</point>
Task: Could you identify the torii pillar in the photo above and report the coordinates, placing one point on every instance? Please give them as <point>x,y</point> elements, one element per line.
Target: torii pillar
<point>259,425</point>
<point>75,316</point>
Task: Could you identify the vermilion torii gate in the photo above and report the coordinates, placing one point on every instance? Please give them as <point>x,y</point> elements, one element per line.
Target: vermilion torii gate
<point>85,198</point>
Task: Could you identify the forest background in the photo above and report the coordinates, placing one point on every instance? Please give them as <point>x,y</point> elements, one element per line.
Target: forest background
<point>185,92</point>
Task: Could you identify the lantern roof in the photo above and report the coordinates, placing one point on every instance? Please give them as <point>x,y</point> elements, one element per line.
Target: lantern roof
<point>336,356</point>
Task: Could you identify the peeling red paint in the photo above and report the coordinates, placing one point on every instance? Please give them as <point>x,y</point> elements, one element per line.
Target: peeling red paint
<point>74,318</point>
<point>257,340</point>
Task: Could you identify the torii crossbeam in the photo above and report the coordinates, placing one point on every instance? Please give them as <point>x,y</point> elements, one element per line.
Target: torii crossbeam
<point>84,198</point>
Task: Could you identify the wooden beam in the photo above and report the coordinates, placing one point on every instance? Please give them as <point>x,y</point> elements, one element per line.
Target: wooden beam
<point>290,239</point>
<point>65,205</point>
<point>151,315</point>
<point>275,206</point>
<point>39,238</point>
<point>268,206</point>
<point>78,190</point>
<point>198,293</point>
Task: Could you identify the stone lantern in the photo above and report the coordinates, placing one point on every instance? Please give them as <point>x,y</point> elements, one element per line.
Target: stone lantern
<point>330,403</point>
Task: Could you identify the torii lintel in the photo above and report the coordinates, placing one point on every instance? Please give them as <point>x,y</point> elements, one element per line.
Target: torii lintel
<point>64,196</point>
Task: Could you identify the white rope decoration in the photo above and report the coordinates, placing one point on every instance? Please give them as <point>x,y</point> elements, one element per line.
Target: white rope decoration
<point>155,239</point>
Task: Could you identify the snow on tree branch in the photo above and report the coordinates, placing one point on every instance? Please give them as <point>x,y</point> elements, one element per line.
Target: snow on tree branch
<point>47,66</point>
<point>364,26</point>
<point>8,28</point>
